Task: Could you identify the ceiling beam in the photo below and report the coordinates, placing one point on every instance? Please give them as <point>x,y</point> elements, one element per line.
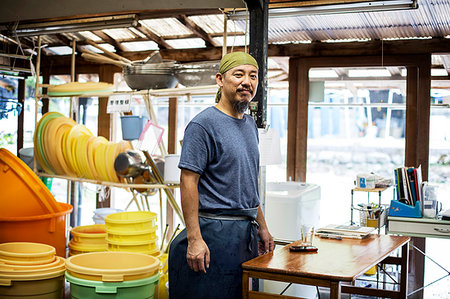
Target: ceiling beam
<point>162,44</point>
<point>373,48</point>
<point>210,42</point>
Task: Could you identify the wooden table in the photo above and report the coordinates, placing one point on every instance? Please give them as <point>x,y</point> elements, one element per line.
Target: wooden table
<point>335,262</point>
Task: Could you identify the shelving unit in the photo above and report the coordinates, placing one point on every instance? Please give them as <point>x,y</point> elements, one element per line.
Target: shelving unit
<point>147,96</point>
<point>378,222</point>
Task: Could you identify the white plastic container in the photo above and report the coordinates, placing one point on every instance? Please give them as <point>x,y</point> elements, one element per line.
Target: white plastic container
<point>101,213</point>
<point>289,205</point>
<point>171,170</point>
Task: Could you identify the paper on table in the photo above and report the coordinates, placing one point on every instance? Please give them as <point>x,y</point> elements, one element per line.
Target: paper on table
<point>269,147</point>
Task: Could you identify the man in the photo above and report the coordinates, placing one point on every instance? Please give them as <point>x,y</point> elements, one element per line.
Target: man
<point>219,191</point>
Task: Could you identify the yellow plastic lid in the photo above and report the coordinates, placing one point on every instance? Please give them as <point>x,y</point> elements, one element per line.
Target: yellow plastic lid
<point>27,253</point>
<point>14,270</point>
<point>130,217</point>
<point>112,266</point>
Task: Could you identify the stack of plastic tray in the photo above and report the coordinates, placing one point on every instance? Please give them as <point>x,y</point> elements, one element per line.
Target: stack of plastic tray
<point>30,270</point>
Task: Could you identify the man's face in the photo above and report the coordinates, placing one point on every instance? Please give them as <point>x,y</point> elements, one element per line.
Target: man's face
<point>239,85</point>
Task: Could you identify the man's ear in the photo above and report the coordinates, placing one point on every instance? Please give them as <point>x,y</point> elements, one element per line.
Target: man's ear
<point>219,79</point>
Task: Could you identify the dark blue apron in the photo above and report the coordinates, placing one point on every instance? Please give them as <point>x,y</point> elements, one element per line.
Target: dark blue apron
<point>231,236</point>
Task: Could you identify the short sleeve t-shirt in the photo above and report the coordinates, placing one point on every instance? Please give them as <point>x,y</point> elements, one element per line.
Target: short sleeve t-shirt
<point>224,151</point>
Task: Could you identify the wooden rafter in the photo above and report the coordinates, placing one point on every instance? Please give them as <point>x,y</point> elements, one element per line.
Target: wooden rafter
<point>107,39</point>
<point>152,36</point>
<point>210,42</point>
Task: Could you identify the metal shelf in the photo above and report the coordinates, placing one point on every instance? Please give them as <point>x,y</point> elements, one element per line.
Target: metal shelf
<point>108,184</point>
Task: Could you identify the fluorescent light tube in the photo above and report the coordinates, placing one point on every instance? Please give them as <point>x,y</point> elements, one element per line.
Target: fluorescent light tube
<point>371,6</point>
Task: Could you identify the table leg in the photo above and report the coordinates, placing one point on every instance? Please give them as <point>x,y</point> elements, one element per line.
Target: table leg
<point>335,290</point>
<point>404,272</point>
<point>245,285</point>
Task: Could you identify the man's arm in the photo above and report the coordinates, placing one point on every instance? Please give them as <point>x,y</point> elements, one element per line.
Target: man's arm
<point>197,252</point>
<point>266,244</point>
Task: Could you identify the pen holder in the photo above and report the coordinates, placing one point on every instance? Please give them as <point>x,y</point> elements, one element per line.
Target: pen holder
<point>399,209</point>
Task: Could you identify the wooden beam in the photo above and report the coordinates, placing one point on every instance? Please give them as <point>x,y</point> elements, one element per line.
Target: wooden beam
<point>361,48</point>
<point>106,74</point>
<point>172,123</point>
<point>107,39</point>
<point>152,36</point>
<point>292,118</point>
<point>209,41</point>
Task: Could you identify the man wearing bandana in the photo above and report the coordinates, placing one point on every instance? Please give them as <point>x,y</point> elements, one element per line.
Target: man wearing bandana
<point>219,165</point>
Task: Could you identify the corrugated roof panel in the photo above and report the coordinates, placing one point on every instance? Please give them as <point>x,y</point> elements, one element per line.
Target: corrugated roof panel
<point>236,40</point>
<point>209,23</point>
<point>186,43</point>
<point>431,19</point>
<point>60,50</point>
<point>140,46</point>
<point>90,35</point>
<point>166,27</point>
<point>119,33</point>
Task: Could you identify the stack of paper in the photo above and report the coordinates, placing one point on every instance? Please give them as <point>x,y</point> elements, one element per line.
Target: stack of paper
<point>345,231</point>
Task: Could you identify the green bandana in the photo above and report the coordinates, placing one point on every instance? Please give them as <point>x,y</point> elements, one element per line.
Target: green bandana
<point>232,60</point>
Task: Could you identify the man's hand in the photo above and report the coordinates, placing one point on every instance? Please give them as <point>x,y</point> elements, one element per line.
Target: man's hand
<point>198,255</point>
<point>266,243</point>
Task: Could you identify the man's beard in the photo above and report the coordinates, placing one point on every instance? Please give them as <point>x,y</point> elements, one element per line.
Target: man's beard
<point>241,106</point>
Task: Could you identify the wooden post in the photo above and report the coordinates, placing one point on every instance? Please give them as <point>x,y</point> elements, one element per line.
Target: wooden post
<point>106,74</point>
<point>171,149</point>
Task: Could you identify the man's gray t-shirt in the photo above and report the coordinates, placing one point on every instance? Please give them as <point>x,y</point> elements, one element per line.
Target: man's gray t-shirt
<point>224,151</point>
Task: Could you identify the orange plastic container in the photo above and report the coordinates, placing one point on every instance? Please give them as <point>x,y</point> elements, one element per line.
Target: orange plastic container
<point>23,193</point>
<point>48,229</point>
<point>26,253</point>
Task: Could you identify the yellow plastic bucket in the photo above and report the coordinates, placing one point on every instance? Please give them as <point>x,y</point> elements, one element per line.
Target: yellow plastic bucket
<point>125,236</point>
<point>112,266</point>
<point>38,286</point>
<point>78,248</point>
<point>26,253</point>
<point>146,246</point>
<point>89,234</point>
<point>130,221</point>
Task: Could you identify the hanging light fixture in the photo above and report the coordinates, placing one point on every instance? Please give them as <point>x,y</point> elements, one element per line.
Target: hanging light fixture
<point>341,8</point>
<point>76,25</point>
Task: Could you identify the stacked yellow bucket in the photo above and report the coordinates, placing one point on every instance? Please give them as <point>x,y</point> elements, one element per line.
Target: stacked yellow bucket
<point>132,232</point>
<point>88,238</point>
<point>30,270</point>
